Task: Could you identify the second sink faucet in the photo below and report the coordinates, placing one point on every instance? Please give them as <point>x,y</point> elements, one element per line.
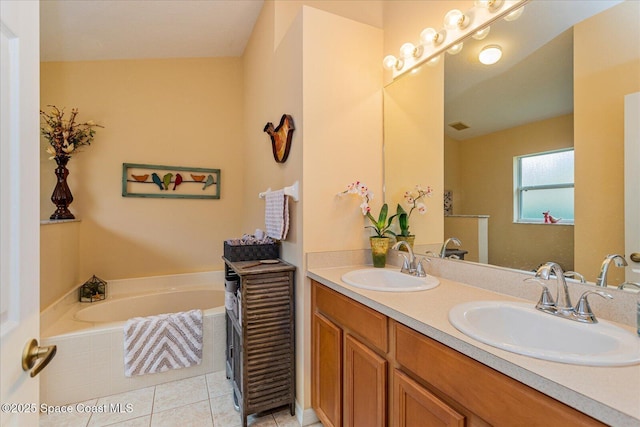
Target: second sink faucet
<point>562,306</point>
<point>443,250</point>
<point>618,260</point>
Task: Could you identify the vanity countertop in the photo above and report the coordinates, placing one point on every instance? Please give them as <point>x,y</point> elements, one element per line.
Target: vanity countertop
<point>608,394</point>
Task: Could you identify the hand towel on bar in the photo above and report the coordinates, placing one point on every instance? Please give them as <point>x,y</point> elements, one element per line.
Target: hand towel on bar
<point>159,343</point>
<point>276,214</point>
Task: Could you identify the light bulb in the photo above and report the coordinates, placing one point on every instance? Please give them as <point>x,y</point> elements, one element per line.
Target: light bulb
<point>490,5</point>
<point>407,50</point>
<point>514,15</point>
<point>456,48</point>
<point>431,36</point>
<point>456,19</point>
<point>481,34</point>
<point>490,54</point>
<point>389,62</point>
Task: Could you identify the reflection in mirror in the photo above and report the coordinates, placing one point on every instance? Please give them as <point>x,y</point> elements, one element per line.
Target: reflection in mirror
<point>520,106</point>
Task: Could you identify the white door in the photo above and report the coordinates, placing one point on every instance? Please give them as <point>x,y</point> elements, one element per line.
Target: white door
<point>632,186</point>
<point>19,211</point>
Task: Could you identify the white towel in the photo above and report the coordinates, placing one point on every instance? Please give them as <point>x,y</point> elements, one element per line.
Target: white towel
<point>159,343</point>
<point>276,214</point>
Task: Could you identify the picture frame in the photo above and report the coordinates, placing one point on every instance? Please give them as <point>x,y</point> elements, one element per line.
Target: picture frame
<point>172,182</point>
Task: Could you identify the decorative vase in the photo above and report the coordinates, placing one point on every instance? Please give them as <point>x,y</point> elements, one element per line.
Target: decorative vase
<point>379,248</point>
<point>62,196</point>
<point>409,239</point>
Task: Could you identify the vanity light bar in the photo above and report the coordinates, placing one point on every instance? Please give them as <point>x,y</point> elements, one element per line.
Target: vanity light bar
<point>458,25</point>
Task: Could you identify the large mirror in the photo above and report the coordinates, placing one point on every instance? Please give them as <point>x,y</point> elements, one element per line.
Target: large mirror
<point>520,106</point>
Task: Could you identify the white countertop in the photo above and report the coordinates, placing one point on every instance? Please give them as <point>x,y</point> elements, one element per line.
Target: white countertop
<point>609,394</point>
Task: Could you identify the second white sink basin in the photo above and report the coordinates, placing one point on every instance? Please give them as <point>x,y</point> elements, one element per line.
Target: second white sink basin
<point>387,280</point>
<point>520,328</point>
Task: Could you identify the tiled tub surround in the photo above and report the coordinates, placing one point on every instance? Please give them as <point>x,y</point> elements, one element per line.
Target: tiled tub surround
<point>609,394</point>
<point>90,356</point>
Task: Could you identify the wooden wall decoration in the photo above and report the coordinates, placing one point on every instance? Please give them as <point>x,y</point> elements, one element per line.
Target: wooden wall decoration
<point>155,181</point>
<point>281,137</point>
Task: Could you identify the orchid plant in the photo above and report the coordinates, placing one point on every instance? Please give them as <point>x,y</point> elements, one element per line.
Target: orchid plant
<point>413,200</point>
<point>382,225</point>
<point>65,135</point>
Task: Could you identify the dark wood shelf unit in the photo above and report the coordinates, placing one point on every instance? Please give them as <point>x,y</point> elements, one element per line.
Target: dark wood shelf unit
<point>261,337</point>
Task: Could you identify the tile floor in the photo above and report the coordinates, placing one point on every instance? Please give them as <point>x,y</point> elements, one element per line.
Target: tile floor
<point>199,401</point>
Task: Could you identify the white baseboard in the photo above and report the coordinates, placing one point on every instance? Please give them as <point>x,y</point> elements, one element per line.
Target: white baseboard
<point>305,416</point>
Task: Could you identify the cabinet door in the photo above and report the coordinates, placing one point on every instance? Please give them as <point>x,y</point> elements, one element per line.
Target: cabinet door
<point>365,386</point>
<point>326,368</point>
<point>414,406</point>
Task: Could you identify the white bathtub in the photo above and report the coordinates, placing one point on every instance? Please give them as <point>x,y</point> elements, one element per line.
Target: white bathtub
<point>171,301</point>
<point>90,359</point>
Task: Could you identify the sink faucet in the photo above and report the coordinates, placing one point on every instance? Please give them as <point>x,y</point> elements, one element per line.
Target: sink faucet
<point>563,301</point>
<point>443,250</point>
<point>410,265</point>
<point>632,285</point>
<point>575,275</point>
<point>562,306</point>
<point>618,260</point>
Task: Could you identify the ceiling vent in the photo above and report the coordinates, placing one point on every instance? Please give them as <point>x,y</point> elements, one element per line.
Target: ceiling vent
<point>458,126</point>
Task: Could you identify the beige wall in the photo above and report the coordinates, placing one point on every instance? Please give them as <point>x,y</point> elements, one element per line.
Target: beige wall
<point>59,254</point>
<point>329,81</point>
<point>177,112</point>
<point>485,187</point>
<point>605,69</point>
<point>413,147</point>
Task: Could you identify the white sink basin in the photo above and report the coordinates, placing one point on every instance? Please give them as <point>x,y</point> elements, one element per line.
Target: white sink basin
<point>387,280</point>
<point>520,328</point>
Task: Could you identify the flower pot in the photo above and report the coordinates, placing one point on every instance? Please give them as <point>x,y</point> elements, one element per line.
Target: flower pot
<point>62,196</point>
<point>409,239</point>
<point>379,248</point>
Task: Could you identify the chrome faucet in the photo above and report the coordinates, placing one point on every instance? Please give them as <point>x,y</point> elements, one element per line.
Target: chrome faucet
<point>575,275</point>
<point>632,285</point>
<point>562,305</point>
<point>443,250</point>
<point>563,301</point>
<point>618,260</point>
<point>411,265</point>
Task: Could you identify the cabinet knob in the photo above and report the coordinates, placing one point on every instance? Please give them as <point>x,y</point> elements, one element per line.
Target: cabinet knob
<point>635,257</point>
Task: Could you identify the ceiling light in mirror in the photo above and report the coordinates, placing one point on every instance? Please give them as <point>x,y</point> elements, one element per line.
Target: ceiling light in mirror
<point>490,54</point>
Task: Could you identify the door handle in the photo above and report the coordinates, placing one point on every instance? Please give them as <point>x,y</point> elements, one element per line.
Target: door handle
<point>33,352</point>
<point>635,257</point>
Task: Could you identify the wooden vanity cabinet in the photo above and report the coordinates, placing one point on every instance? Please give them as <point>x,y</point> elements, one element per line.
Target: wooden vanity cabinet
<point>476,389</point>
<point>349,363</point>
<point>369,370</point>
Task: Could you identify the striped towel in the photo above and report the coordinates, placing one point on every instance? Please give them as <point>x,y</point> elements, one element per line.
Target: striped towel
<point>159,343</point>
<point>276,214</point>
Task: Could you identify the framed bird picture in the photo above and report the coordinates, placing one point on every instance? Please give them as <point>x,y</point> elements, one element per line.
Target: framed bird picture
<point>281,137</point>
<point>174,182</point>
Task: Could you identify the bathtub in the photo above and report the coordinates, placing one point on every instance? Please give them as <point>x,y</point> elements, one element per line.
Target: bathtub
<point>90,356</point>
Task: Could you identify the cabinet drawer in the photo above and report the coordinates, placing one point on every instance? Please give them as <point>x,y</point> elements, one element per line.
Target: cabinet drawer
<point>494,397</point>
<point>363,321</point>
